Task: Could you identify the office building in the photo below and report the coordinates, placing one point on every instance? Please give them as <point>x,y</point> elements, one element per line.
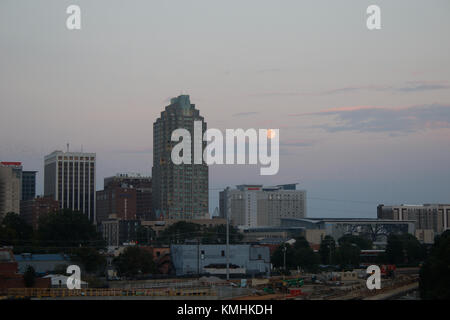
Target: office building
<point>28,185</point>
<point>10,187</point>
<point>32,210</point>
<point>69,177</point>
<point>429,219</point>
<point>179,191</point>
<point>258,206</point>
<point>143,189</point>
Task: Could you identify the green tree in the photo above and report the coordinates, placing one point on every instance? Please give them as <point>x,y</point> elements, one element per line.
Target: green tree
<point>68,228</point>
<point>90,258</point>
<point>327,250</point>
<point>278,256</point>
<point>145,235</point>
<point>348,254</point>
<point>404,249</point>
<point>434,281</point>
<point>361,242</point>
<point>29,277</point>
<point>14,231</point>
<point>179,232</point>
<point>134,261</point>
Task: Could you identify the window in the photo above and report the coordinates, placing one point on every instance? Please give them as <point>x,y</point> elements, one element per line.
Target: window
<point>223,253</point>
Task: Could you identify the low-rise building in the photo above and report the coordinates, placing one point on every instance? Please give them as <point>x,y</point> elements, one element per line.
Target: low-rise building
<point>377,230</point>
<point>212,259</point>
<point>117,232</point>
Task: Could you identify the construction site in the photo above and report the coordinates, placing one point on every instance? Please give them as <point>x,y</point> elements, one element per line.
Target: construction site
<point>350,285</point>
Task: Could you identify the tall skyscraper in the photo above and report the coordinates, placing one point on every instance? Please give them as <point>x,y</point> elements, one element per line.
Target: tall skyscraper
<point>69,177</point>
<point>28,185</point>
<point>10,187</point>
<point>179,191</point>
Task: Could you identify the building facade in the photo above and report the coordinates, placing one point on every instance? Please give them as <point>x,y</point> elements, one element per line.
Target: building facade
<point>118,232</point>
<point>430,219</point>
<point>179,191</point>
<point>69,177</point>
<point>211,259</point>
<point>10,187</point>
<point>258,206</point>
<point>143,189</point>
<point>118,201</point>
<point>32,210</point>
<point>28,185</point>
<point>377,230</point>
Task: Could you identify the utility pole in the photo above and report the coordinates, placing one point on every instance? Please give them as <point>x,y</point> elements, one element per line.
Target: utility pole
<point>284,257</point>
<point>228,231</point>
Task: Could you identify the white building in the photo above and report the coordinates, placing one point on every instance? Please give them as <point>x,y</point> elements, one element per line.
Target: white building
<point>69,177</point>
<point>430,219</point>
<point>257,206</point>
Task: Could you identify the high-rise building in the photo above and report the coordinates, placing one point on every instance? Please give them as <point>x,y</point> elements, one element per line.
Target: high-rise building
<point>258,206</point>
<point>179,191</point>
<point>143,186</point>
<point>430,219</point>
<point>69,177</point>
<point>10,187</point>
<point>28,185</point>
<point>32,210</point>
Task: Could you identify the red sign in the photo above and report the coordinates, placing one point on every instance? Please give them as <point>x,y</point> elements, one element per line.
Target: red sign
<point>5,163</point>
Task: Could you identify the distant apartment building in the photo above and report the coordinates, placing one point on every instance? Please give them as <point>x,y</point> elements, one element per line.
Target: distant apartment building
<point>32,210</point>
<point>10,187</point>
<point>69,177</point>
<point>28,185</point>
<point>142,186</point>
<point>179,191</point>
<point>430,219</point>
<point>258,206</point>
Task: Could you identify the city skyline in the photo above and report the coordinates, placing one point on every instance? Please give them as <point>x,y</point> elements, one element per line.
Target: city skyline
<point>364,117</point>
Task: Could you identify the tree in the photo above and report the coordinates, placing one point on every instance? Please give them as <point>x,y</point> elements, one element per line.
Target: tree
<point>298,255</point>
<point>404,249</point>
<point>134,261</point>
<point>327,250</point>
<point>279,254</point>
<point>348,254</point>
<point>14,231</point>
<point>179,232</point>
<point>144,235</point>
<point>434,281</point>
<point>218,235</point>
<point>361,242</point>
<point>29,277</point>
<point>90,258</point>
<point>68,228</point>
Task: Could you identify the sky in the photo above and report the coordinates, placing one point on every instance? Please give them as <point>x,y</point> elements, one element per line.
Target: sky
<point>364,115</point>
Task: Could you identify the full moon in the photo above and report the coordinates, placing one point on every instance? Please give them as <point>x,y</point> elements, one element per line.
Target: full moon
<point>271,134</point>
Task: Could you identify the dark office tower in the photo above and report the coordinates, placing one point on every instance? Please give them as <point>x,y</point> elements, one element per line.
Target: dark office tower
<point>69,177</point>
<point>179,191</point>
<point>28,185</point>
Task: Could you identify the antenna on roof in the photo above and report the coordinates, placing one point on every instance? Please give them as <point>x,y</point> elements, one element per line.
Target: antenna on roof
<point>67,147</point>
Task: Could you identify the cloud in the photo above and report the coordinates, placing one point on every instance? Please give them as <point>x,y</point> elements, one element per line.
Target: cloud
<point>407,87</point>
<point>245,114</point>
<point>392,120</point>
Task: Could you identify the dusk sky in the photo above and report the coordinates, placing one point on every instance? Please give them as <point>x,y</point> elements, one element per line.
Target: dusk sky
<point>364,116</point>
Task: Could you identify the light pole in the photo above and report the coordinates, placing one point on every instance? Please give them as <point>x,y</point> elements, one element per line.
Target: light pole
<point>284,257</point>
